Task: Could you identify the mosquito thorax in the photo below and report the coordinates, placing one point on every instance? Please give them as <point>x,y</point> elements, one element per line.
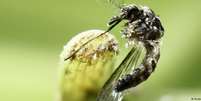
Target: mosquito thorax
<point>142,24</point>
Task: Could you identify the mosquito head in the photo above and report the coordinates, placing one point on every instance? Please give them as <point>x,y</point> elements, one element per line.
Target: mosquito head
<point>130,12</point>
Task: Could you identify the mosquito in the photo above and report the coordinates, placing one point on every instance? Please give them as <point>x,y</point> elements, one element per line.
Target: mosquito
<point>142,29</point>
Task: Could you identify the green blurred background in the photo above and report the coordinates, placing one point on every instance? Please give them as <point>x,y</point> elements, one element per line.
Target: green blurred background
<point>33,32</point>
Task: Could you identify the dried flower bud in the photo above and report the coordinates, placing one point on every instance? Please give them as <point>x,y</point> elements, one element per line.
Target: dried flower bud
<point>87,62</point>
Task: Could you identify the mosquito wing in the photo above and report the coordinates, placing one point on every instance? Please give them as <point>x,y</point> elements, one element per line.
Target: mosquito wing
<point>127,65</point>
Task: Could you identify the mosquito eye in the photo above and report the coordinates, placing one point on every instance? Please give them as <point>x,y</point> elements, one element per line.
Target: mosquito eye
<point>135,9</point>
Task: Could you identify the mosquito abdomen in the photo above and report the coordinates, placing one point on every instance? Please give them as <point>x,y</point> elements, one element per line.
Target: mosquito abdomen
<point>142,73</point>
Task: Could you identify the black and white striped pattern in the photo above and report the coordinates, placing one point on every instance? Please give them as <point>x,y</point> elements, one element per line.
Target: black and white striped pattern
<point>142,73</point>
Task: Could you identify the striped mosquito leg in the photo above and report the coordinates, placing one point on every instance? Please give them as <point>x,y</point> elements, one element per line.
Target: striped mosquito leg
<point>145,69</point>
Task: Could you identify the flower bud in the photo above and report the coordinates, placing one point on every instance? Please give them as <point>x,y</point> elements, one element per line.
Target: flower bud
<point>87,61</point>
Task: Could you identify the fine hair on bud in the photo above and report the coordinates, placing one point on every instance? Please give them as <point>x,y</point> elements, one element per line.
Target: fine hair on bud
<point>87,61</point>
